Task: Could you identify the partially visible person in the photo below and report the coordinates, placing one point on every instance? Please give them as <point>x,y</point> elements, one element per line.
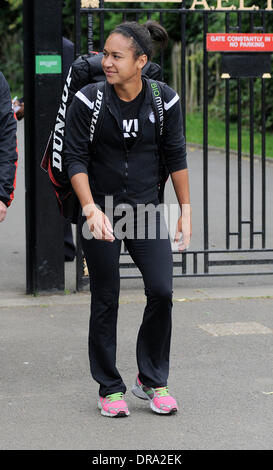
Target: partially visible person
<point>18,107</point>
<point>8,148</point>
<point>67,57</point>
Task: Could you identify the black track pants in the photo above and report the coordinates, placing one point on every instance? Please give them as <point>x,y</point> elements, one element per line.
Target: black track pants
<point>154,259</point>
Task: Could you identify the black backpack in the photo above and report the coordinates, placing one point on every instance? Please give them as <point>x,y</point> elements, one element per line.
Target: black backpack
<point>84,70</point>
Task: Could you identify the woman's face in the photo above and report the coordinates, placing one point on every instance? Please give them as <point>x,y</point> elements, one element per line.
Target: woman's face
<point>118,62</point>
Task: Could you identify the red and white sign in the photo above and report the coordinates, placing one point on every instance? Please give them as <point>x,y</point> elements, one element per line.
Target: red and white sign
<point>239,42</point>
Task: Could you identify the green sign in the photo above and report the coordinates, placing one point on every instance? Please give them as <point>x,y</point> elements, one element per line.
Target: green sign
<point>48,64</point>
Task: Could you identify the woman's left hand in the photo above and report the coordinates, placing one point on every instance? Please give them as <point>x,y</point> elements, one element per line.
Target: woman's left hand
<point>184,228</point>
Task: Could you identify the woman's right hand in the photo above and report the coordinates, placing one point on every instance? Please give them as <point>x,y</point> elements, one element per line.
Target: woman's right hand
<point>98,223</point>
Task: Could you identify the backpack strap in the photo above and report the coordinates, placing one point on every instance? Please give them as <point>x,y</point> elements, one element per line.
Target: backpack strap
<point>158,108</point>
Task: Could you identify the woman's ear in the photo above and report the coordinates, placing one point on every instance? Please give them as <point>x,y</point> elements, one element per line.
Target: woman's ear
<point>142,61</point>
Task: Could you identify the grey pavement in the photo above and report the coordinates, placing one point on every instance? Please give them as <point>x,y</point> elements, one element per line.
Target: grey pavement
<point>223,384</point>
<point>221,360</point>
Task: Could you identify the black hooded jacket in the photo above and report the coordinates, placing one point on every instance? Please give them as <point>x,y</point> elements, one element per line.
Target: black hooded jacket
<point>132,176</point>
<point>8,153</point>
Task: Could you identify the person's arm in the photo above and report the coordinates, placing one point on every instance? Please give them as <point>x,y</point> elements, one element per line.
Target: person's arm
<point>180,180</point>
<point>176,160</point>
<point>8,153</point>
<point>77,154</point>
<point>98,222</point>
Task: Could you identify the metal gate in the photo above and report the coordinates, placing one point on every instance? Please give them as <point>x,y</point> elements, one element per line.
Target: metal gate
<point>248,253</point>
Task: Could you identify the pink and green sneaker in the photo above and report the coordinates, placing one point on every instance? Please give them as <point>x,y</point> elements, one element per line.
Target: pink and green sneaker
<point>113,405</point>
<point>160,399</point>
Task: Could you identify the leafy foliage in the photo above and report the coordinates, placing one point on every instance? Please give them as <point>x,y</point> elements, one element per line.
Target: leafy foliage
<point>11,47</point>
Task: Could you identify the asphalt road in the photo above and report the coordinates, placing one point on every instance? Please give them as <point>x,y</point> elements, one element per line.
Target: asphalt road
<point>223,384</point>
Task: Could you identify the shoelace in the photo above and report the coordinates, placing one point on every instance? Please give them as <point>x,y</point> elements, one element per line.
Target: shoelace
<point>115,396</point>
<point>162,391</point>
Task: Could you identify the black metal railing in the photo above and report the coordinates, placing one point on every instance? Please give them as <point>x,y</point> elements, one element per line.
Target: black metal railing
<point>188,264</point>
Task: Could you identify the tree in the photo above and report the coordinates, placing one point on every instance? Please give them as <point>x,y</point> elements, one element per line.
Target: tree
<point>11,45</point>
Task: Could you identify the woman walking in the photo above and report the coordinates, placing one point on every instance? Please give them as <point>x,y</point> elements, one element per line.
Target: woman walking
<point>125,167</point>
